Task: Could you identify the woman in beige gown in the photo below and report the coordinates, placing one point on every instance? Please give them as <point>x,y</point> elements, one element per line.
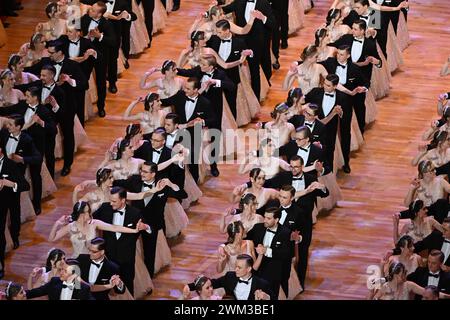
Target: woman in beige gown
<point>168,84</point>
<point>404,253</point>
<point>247,214</point>
<point>33,51</point>
<point>55,26</point>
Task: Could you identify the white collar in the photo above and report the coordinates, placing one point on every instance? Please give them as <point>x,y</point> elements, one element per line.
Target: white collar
<point>287,206</point>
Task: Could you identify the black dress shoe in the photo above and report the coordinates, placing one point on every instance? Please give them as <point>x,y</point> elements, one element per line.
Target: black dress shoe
<point>101,113</point>
<point>126,65</point>
<point>214,171</point>
<point>175,7</point>
<point>346,168</point>
<point>6,24</point>
<point>65,171</point>
<point>112,88</point>
<point>37,211</point>
<point>276,65</point>
<point>16,244</point>
<point>284,45</point>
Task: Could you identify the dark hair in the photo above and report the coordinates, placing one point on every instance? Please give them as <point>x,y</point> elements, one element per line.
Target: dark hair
<point>332,15</point>
<point>57,44</point>
<point>437,253</point>
<point>255,172</point>
<point>319,35</point>
<point>404,240</point>
<point>446,220</point>
<point>276,212</point>
<point>120,191</point>
<point>232,229</point>
<point>35,38</point>
<point>102,6</point>
<point>297,158</point>
<point>102,175</point>
<point>362,2</point>
<point>78,209</point>
<point>279,108</point>
<point>73,262</point>
<point>54,255</point>
<point>196,82</point>
<point>174,117</point>
<point>51,7</point>
<point>199,282</point>
<point>294,93</point>
<point>434,290</point>
<point>289,188</point>
<point>424,166</point>
<point>132,130</point>
<point>13,60</point>
<point>333,78</point>
<point>35,92</point>
<point>304,129</point>
<point>346,48</point>
<point>446,113</point>
<point>124,143</point>
<point>415,207</point>
<point>223,24</point>
<point>5,73</point>
<point>361,24</point>
<point>196,36</point>
<point>99,242</point>
<point>18,120</point>
<point>262,144</point>
<point>439,138</point>
<point>12,290</point>
<point>314,107</point>
<point>246,199</point>
<point>168,65</point>
<point>149,99</point>
<point>153,166</point>
<point>247,258</point>
<point>50,68</point>
<point>309,51</point>
<point>161,131</point>
<point>213,11</point>
<point>395,268</point>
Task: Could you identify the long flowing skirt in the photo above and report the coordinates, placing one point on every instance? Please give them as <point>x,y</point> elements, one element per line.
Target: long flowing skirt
<point>228,129</point>
<point>381,78</point>
<point>142,281</point>
<point>247,104</point>
<point>402,33</point>
<point>159,17</point>
<point>163,256</point>
<point>328,203</point>
<point>175,217</point>
<point>193,191</point>
<point>296,15</point>
<point>81,138</point>
<point>371,107</point>
<point>139,38</point>
<point>394,58</point>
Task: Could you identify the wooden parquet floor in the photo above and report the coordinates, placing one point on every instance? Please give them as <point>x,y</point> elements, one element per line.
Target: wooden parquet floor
<point>349,238</point>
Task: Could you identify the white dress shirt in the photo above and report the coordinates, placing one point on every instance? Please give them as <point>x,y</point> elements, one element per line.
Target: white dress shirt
<point>310,125</point>
<point>446,249</point>
<point>225,48</point>
<point>156,154</point>
<point>94,270</point>
<point>46,90</point>
<point>74,48</point>
<point>110,6</point>
<point>118,220</point>
<point>433,281</point>
<point>249,7</point>
<point>304,154</point>
<point>189,107</point>
<point>209,76</point>
<point>267,242</point>
<point>328,102</point>
<point>341,72</point>
<point>170,139</point>
<point>12,143</point>
<point>284,214</point>
<point>30,113</point>
<point>299,184</point>
<point>242,290</point>
<point>93,25</point>
<point>146,188</point>
<point>357,48</point>
<point>66,293</point>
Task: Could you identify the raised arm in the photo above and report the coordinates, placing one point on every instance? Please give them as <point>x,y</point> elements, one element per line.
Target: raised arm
<point>378,7</point>
<point>411,192</point>
<point>127,116</point>
<point>100,225</point>
<point>60,229</point>
<point>143,83</point>
<point>289,79</point>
